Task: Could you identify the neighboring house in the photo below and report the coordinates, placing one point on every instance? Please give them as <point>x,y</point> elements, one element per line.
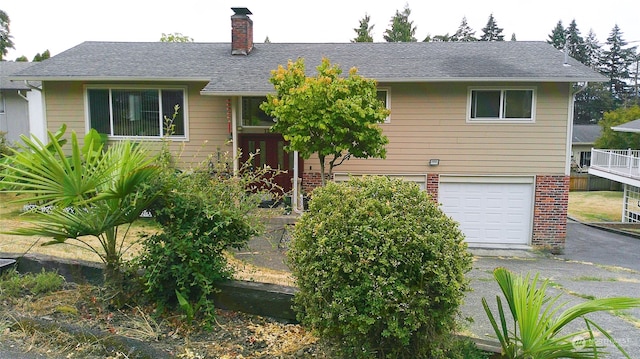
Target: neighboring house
<point>621,166</point>
<point>584,136</point>
<point>21,110</point>
<point>484,127</point>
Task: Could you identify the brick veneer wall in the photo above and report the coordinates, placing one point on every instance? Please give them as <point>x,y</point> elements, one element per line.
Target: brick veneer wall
<point>550,212</point>
<point>311,180</point>
<point>433,181</point>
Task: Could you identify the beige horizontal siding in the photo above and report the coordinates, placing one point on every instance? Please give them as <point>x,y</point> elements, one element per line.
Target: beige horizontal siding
<point>429,121</point>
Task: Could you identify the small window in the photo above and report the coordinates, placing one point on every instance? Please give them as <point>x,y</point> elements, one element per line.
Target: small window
<point>252,115</point>
<point>383,95</point>
<point>1,103</point>
<point>585,158</point>
<point>136,112</point>
<point>501,104</point>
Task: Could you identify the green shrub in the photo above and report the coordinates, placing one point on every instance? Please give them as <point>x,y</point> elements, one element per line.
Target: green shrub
<point>202,213</point>
<point>380,269</point>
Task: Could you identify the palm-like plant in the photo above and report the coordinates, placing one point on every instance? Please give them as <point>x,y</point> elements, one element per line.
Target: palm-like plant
<point>91,192</point>
<point>539,329</point>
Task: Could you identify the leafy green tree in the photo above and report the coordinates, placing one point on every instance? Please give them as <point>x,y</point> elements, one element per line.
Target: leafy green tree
<point>619,140</point>
<point>363,33</point>
<point>558,38</point>
<point>6,41</point>
<point>22,59</point>
<point>464,33</point>
<point>333,116</point>
<point>90,192</point>
<point>175,37</point>
<point>45,55</point>
<point>401,30</point>
<point>491,32</point>
<point>615,63</point>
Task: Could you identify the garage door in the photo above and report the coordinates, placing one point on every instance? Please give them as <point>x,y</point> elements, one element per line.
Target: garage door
<point>490,210</point>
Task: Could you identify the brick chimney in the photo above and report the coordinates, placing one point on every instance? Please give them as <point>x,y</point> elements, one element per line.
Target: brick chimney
<point>241,31</point>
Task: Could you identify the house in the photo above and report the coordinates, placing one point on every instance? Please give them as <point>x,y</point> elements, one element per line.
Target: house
<point>21,110</point>
<point>621,166</point>
<point>484,127</point>
<point>583,139</point>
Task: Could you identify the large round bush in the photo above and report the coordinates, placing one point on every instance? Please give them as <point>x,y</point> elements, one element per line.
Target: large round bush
<point>381,269</point>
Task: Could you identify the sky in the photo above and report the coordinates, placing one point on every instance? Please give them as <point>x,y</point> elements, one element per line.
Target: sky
<point>58,25</point>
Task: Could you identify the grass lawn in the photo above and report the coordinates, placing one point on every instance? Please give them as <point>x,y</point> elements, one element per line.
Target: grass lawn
<point>596,206</point>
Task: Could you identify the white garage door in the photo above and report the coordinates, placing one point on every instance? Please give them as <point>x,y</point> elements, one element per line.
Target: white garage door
<point>490,210</point>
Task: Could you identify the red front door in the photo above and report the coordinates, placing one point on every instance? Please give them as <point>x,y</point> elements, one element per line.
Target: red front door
<point>270,148</point>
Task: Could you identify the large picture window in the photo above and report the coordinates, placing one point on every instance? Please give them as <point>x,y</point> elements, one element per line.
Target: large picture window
<point>501,104</point>
<point>136,112</point>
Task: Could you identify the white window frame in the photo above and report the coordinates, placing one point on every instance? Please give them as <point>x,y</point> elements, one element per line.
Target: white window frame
<point>388,100</point>
<point>110,87</point>
<point>502,90</point>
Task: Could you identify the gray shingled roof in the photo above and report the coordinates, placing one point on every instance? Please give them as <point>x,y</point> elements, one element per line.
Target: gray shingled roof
<point>586,133</point>
<point>632,126</point>
<point>8,68</point>
<point>385,62</point>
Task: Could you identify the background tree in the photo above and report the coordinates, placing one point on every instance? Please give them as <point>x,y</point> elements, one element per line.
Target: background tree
<point>175,37</point>
<point>363,33</point>
<point>464,33</point>
<point>491,32</point>
<point>591,103</point>
<point>267,40</point>
<point>619,140</point>
<point>592,50</point>
<point>575,43</point>
<point>402,30</point>
<point>558,38</point>
<point>332,116</point>
<point>5,37</point>
<point>22,59</point>
<point>615,63</point>
<point>45,55</point>
<point>513,37</point>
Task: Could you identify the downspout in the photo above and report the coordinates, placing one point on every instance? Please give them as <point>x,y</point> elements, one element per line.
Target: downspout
<point>23,96</point>
<point>572,101</point>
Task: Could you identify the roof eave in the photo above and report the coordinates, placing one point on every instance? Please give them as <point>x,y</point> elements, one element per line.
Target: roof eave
<point>109,78</point>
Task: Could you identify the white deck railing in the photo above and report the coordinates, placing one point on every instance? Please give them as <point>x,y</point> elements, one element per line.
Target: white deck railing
<point>620,162</point>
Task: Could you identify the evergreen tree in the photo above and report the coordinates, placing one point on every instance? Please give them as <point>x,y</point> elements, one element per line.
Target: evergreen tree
<point>575,43</point>
<point>592,51</point>
<point>591,103</point>
<point>266,40</point>
<point>464,32</point>
<point>402,30</point>
<point>491,32</point>
<point>363,33</point>
<point>558,38</point>
<point>440,38</point>
<point>615,63</point>
<point>5,37</point>
<point>513,37</point>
